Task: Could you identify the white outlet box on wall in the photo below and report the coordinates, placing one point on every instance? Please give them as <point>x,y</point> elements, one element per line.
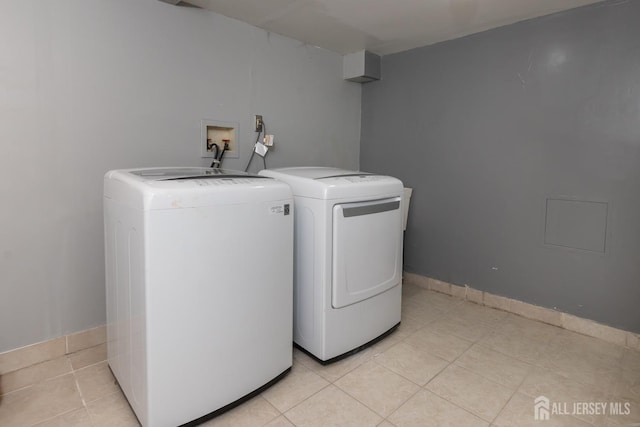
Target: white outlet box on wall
<point>218,132</point>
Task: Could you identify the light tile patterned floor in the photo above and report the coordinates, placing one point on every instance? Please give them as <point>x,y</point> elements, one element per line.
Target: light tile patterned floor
<point>451,363</point>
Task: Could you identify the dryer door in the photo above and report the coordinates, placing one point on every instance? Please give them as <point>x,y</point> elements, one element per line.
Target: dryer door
<point>367,250</point>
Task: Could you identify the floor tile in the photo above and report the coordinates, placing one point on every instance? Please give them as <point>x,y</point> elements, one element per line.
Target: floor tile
<point>437,301</point>
<point>34,374</point>
<point>409,325</point>
<point>470,391</point>
<point>599,351</point>
<point>96,381</point>
<point>40,402</point>
<point>299,384</point>
<point>530,329</point>
<point>514,345</point>
<point>420,312</point>
<point>475,365</point>
<point>336,370</point>
<point>300,357</point>
<point>428,409</point>
<point>447,347</point>
<point>112,410</point>
<point>495,366</point>
<point>76,418</point>
<point>332,407</point>
<point>88,357</point>
<point>413,364</point>
<point>520,412</point>
<point>386,343</point>
<point>466,329</point>
<point>32,354</point>
<point>377,387</point>
<point>582,368</point>
<point>594,329</point>
<point>409,290</point>
<point>281,421</point>
<point>627,386</point>
<point>477,313</point>
<point>630,360</point>
<point>627,416</point>
<point>256,412</point>
<point>543,382</point>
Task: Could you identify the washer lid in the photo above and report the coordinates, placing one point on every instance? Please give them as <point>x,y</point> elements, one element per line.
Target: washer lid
<point>167,174</point>
<point>333,183</point>
<point>320,172</point>
<point>176,188</point>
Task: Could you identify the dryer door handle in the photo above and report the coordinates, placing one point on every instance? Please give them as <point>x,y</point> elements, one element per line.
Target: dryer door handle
<point>372,208</point>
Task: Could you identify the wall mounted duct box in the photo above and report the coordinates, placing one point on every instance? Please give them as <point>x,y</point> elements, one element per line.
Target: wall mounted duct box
<point>361,67</point>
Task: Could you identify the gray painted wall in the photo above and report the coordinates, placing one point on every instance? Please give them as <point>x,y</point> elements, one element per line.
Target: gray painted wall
<point>92,85</point>
<point>488,127</point>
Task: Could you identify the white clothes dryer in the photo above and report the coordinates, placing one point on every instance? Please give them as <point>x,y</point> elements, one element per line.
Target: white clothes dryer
<point>347,260</point>
<point>199,272</point>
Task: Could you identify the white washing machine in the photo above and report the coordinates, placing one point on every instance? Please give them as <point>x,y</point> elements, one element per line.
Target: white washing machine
<point>199,272</point>
<point>348,258</point>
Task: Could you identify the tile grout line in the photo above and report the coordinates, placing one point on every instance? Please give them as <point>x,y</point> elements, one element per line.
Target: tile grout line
<point>307,398</point>
<point>87,366</point>
<point>83,406</point>
<point>453,403</point>
<point>402,404</point>
<point>84,401</point>
<point>287,418</point>
<point>532,367</point>
<point>423,387</point>
<point>360,402</point>
<point>339,388</point>
<point>477,342</point>
<point>70,366</point>
<point>41,380</point>
<point>409,379</point>
<point>57,415</point>
<point>268,403</point>
<point>442,397</point>
<point>510,355</point>
<point>373,410</point>
<point>75,378</point>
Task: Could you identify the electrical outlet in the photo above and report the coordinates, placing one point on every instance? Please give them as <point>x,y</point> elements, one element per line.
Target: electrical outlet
<point>258,123</point>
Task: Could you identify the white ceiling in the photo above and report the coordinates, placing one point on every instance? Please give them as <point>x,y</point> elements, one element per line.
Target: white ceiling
<point>381,26</point>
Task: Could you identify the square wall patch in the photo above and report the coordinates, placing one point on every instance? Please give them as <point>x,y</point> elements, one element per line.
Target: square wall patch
<point>577,224</point>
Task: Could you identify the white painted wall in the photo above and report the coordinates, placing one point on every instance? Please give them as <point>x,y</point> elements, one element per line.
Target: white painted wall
<point>92,85</point>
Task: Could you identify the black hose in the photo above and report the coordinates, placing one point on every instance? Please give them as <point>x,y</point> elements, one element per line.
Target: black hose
<point>225,148</point>
<point>253,150</point>
<point>215,154</point>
